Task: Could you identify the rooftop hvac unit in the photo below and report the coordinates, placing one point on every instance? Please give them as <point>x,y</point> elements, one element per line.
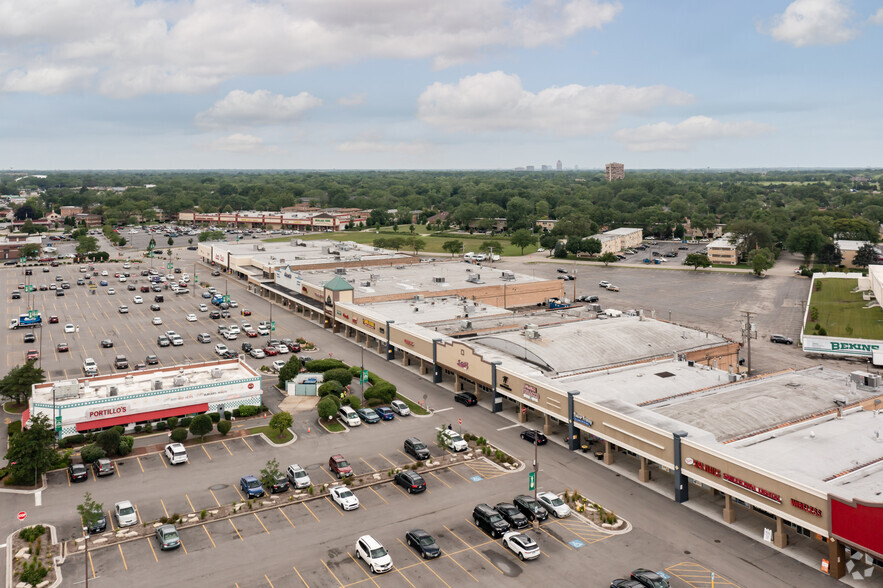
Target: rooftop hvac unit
<point>419,298</point>
<point>113,391</point>
<point>439,279</point>
<point>865,379</point>
<point>532,327</point>
<point>282,260</point>
<point>366,284</point>
<point>400,267</point>
<point>66,389</point>
<point>216,373</point>
<point>375,277</point>
<point>507,276</point>
<point>465,325</point>
<point>156,385</point>
<point>130,379</point>
<point>732,377</point>
<point>340,271</point>
<point>325,249</point>
<point>532,333</point>
<point>179,381</point>
<point>469,308</point>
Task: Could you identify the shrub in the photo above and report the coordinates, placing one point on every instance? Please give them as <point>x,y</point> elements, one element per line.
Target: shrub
<point>247,411</point>
<point>227,415</point>
<point>236,413</point>
<point>179,435</point>
<point>119,429</point>
<point>92,452</point>
<point>353,401</point>
<point>224,427</point>
<point>172,421</point>
<point>323,365</point>
<point>33,573</point>
<point>32,533</point>
<point>327,407</point>
<point>216,417</point>
<point>109,440</point>
<point>202,514</point>
<point>126,444</point>
<point>201,426</point>
<point>162,426</point>
<point>14,428</point>
<point>342,375</point>
<point>70,440</point>
<point>332,387</point>
<point>148,428</point>
<point>185,422</point>
<point>138,428</point>
<point>355,371</point>
<point>385,391</point>
<point>823,332</point>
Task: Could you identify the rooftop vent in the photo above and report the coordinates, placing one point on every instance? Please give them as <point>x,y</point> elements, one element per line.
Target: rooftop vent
<point>366,284</point>
<point>375,277</point>
<point>865,379</point>
<point>113,391</point>
<point>156,385</point>
<point>664,374</point>
<point>216,373</point>
<point>340,271</point>
<point>532,333</point>
<point>439,279</point>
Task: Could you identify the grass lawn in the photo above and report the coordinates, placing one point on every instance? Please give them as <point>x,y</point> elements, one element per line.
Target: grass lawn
<point>842,312</point>
<point>415,408</point>
<point>285,437</point>
<point>433,244</point>
<point>15,408</point>
<point>334,427</point>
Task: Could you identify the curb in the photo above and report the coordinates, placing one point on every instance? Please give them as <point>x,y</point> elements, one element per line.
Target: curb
<point>57,561</point>
<point>345,428</point>
<point>627,528</point>
<point>272,444</point>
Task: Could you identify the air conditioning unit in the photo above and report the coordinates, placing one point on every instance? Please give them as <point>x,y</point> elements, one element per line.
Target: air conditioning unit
<point>465,325</point>
<point>130,379</point>
<point>216,373</point>
<point>532,333</point>
<point>439,279</point>
<point>507,276</point>
<point>179,381</point>
<point>366,284</point>
<point>156,385</point>
<point>112,391</point>
<point>340,271</point>
<point>419,298</point>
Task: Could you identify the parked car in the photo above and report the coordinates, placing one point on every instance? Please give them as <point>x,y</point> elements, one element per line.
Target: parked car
<point>32,355</point>
<point>167,536</point>
<point>220,348</point>
<point>204,338</point>
<point>521,545</point>
<point>68,328</point>
<point>280,484</point>
<point>410,481</point>
<point>298,477</point>
<point>106,343</point>
<point>62,348</point>
<point>489,520</point>
<point>453,440</point>
<point>163,341</point>
<point>603,283</point>
<point>781,339</point>
<point>466,398</point>
<point>400,408</point>
<point>176,453</point>
<point>512,515</point>
<point>384,413</point>
<point>340,466</point>
<point>124,512</point>
<point>99,525</point>
<point>103,467</point>
<point>77,472</point>
<point>251,486</point>
<point>269,350</point>
<point>416,448</point>
<point>553,503</point>
<point>344,497</point>
<point>278,365</point>
<point>625,583</point>
<point>530,507</point>
<point>368,415</point>
<point>649,578</point>
<point>120,362</point>
<point>349,416</point>
<point>30,337</point>
<point>374,554</point>
<point>257,353</point>
<point>532,434</point>
<point>423,542</point>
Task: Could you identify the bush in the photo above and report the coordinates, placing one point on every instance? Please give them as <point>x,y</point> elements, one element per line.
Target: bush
<point>109,440</point>
<point>201,426</point>
<point>216,417</point>
<point>353,401</point>
<point>148,428</point>
<point>179,435</point>
<point>355,371</point>
<point>342,375</point>
<point>172,421</point>
<point>823,332</point>
<point>93,452</point>
<point>327,407</point>
<point>138,428</point>
<point>247,411</point>
<point>224,427</point>
<point>70,440</point>
<point>185,422</point>
<point>323,365</point>
<point>162,426</point>
<point>236,413</point>
<point>383,391</point>
<point>332,387</point>
<point>32,533</point>
<point>126,444</point>
<point>119,429</point>
<point>33,573</point>
<point>227,415</point>
<point>14,428</point>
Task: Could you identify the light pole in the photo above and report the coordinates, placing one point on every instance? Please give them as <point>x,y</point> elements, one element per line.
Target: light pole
<point>86,559</point>
<point>536,473</point>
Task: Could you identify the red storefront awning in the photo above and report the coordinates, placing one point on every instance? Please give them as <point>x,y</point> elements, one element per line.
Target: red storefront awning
<point>25,417</point>
<point>141,416</point>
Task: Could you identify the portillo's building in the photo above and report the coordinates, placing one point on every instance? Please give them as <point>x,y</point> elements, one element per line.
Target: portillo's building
<point>791,454</point>
<point>133,398</point>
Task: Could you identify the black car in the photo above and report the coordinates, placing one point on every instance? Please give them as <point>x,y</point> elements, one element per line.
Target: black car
<point>467,398</point>
<point>30,338</point>
<point>16,295</point>
<point>130,287</point>
<point>416,448</point>
<point>781,339</point>
<point>106,343</point>
<point>423,543</point>
<point>246,347</point>
<point>154,307</point>
<point>530,508</point>
<point>214,314</point>
<point>625,583</point>
<point>100,523</point>
<point>280,484</point>
<point>532,434</point>
<point>410,481</point>
<point>512,515</point>
<point>649,578</point>
<point>78,472</point>
<point>230,354</point>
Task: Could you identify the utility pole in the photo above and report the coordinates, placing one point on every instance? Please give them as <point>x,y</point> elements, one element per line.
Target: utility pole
<point>749,332</point>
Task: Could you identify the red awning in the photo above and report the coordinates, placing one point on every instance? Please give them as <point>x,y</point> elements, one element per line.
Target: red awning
<point>25,417</point>
<point>141,416</point>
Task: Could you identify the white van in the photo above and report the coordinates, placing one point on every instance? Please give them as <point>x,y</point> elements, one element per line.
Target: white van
<point>349,416</point>
<point>470,255</point>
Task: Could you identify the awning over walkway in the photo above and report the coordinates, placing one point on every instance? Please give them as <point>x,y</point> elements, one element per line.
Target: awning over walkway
<point>142,416</point>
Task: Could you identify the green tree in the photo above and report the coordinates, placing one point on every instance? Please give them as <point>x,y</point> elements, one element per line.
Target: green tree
<point>454,246</point>
<point>190,241</point>
<point>487,246</point>
<point>761,261</point>
<point>806,240</point>
<point>342,375</point>
<point>16,385</point>
<point>86,244</point>
<point>208,236</point>
<point>270,472</point>
<point>109,440</point>
<point>381,243</point>
<point>280,421</point>
<point>31,452</point>
<point>289,371</point>
<point>753,234</point>
<point>327,407</point>
<point>523,238</point>
<point>607,258</point>
<point>412,228</point>
<point>171,241</point>
<point>418,244</point>
<point>865,256</point>
<point>830,254</point>
<point>90,511</point>
<point>201,425</point>
<point>395,227</point>
<point>29,250</point>
<point>548,240</point>
<point>224,426</point>
<point>560,251</point>
<point>697,260</point>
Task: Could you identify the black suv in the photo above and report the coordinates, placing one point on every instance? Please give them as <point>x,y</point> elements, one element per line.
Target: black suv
<point>489,520</point>
<point>416,448</point>
<point>512,515</point>
<point>246,347</point>
<point>410,481</point>
<point>530,508</point>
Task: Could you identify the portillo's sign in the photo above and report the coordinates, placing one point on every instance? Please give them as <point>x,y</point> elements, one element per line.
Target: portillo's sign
<point>102,413</point>
<point>772,496</point>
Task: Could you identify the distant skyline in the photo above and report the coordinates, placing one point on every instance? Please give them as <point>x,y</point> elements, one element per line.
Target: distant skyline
<point>399,84</point>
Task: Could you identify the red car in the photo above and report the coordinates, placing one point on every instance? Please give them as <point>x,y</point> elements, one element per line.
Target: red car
<point>53,319</point>
<point>246,312</point>
<point>251,333</point>
<point>270,350</point>
<point>62,347</point>
<point>145,288</point>
<point>294,347</point>
<point>32,355</point>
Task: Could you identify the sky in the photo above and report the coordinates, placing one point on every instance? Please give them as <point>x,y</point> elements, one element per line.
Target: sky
<point>459,84</point>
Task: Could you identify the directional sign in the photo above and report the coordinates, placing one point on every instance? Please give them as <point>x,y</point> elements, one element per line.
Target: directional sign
<point>273,326</point>
<point>33,313</point>
<point>169,266</point>
<point>29,288</point>
<point>226,299</point>
<point>531,480</point>
<point>22,515</point>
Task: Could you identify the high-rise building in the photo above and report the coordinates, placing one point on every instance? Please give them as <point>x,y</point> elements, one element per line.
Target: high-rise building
<point>615,171</point>
<point>558,165</point>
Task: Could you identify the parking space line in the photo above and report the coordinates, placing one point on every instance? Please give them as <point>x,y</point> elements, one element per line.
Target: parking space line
<point>314,516</point>
<point>261,522</point>
<point>301,577</point>
<point>392,463</point>
<point>373,469</point>
<point>139,464</point>
<point>117,470</point>
<point>451,557</point>
<point>184,547</point>
<point>472,548</point>
<point>363,569</point>
<point>330,572</point>
<point>208,456</point>
<point>406,455</point>
<point>540,527</point>
<point>268,581</point>
<point>205,528</point>
<point>422,561</point>
<point>235,529</point>
<point>164,464</point>
<point>241,495</point>
<point>378,495</point>
<point>336,508</point>
<point>150,544</point>
<point>215,497</point>
<point>282,512</point>
<point>125,565</point>
<point>399,488</point>
<point>247,445</point>
<point>110,518</point>
<point>333,479</point>
<point>190,503</point>
<point>227,448</point>
<point>458,473</point>
<point>92,565</point>
<point>164,507</point>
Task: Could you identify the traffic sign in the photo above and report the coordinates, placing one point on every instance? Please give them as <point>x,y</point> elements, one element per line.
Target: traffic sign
<point>33,313</point>
<point>226,299</point>
<point>22,515</point>
<point>29,288</point>
<point>531,480</point>
<point>460,421</point>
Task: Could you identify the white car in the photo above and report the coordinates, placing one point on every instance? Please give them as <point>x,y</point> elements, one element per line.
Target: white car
<point>234,329</point>
<point>262,330</point>
<point>521,545</point>
<point>229,335</point>
<point>257,353</point>
<point>138,300</point>
<point>278,365</point>
<point>125,514</point>
<point>103,272</point>
<point>298,477</point>
<point>453,440</point>
<point>603,283</point>
<point>400,408</point>
<point>203,308</point>
<point>128,265</point>
<point>90,368</point>
<point>124,309</point>
<point>282,349</point>
<point>157,320</point>
<point>111,291</point>
<point>122,278</point>
<point>69,328</point>
<point>176,453</point>
<point>191,318</point>
<point>374,554</point>
<point>553,503</point>
<point>220,349</point>
<point>344,497</point>
<point>170,277</point>
<point>234,304</point>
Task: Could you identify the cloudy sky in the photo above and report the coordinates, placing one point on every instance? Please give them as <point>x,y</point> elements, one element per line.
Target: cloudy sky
<point>414,84</point>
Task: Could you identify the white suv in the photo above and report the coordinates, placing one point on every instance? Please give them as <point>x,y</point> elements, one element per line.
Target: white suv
<point>220,349</point>
<point>453,440</point>
<point>176,453</point>
<point>374,554</point>
<point>90,367</point>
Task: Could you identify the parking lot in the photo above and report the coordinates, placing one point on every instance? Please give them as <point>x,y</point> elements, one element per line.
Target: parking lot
<point>672,252</point>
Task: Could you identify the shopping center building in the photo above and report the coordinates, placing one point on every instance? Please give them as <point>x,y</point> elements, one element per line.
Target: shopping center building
<point>136,398</point>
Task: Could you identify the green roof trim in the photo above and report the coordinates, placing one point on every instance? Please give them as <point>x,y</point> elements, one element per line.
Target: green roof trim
<point>338,284</point>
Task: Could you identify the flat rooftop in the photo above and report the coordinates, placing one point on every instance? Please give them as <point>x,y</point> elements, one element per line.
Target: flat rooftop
<point>448,311</point>
<point>303,253</point>
<point>139,381</point>
<point>435,277</point>
<point>593,344</point>
<point>492,322</point>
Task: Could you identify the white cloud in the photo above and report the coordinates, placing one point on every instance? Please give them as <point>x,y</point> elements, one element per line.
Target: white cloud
<point>46,80</point>
<point>240,143</point>
<point>682,136</point>
<point>497,101</point>
<point>814,22</point>
<point>240,109</point>
<point>368,146</point>
<point>155,46</point>
<point>352,100</point>
<point>877,17</point>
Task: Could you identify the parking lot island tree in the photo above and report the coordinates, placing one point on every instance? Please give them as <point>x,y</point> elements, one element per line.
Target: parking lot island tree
<point>607,258</point>
<point>31,452</point>
<point>109,440</point>
<point>269,473</point>
<point>201,425</point>
<point>90,511</point>
<point>280,421</point>
<point>327,408</point>
<point>179,434</point>
<point>224,426</point>
<point>17,384</point>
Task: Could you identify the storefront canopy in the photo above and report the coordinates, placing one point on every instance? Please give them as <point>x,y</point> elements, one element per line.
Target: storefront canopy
<point>142,416</point>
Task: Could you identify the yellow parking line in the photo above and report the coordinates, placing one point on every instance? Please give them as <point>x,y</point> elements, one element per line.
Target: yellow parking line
<point>409,581</point>
<point>330,572</point>
<point>205,528</point>
<point>207,455</point>
<point>451,557</point>
<point>378,495</point>
<point>334,506</point>
<point>261,522</point>
<point>215,497</point>
<point>164,464</point>
<point>164,507</point>
<point>474,550</point>
<point>138,513</point>
<point>227,448</point>
<point>459,474</point>
<point>363,569</point>
<point>92,565</point>
<point>423,561</point>
<point>540,527</point>
<point>190,503</point>
<point>123,556</point>
<point>373,469</point>
<point>247,445</point>
<point>184,547</point>
<point>235,529</point>
<point>117,470</point>
<point>301,577</point>
<point>150,543</point>
<point>281,510</point>
<point>406,455</point>
<point>139,464</point>
<point>110,518</point>
<point>241,495</point>
<point>392,463</point>
<point>314,516</point>
<point>268,581</point>
<point>399,488</point>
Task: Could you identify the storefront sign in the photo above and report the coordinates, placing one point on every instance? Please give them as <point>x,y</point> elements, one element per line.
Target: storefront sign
<point>805,507</point>
<point>840,346</point>
<point>582,420</point>
<point>463,364</point>
<point>101,413</point>
<point>251,386</point>
<point>505,384</point>
<point>409,343</point>
<point>703,466</point>
<point>369,324</point>
<point>752,488</point>
<point>530,392</point>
